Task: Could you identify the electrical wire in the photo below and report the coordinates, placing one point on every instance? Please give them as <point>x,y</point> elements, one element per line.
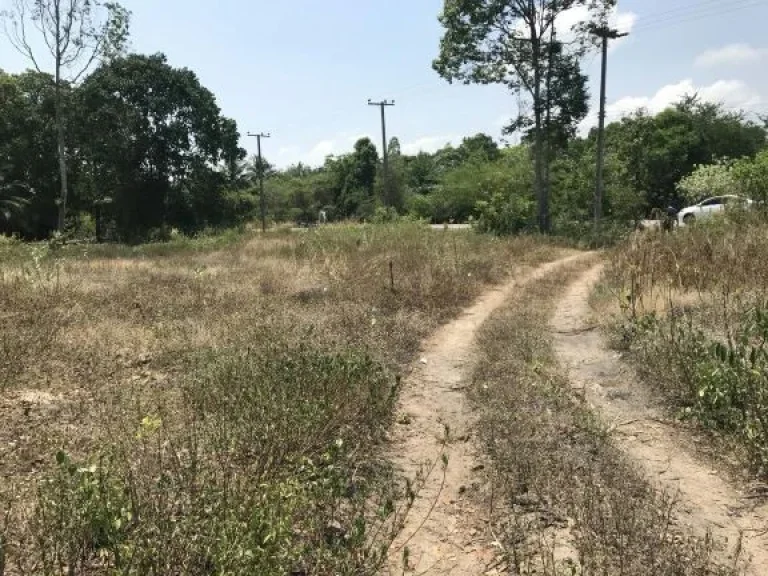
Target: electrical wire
<point>691,14</point>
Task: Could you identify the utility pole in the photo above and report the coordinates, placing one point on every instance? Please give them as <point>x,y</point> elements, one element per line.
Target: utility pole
<point>262,199</point>
<point>383,104</point>
<point>605,34</point>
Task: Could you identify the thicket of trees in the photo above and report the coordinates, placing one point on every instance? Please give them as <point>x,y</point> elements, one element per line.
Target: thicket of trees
<point>647,158</point>
<point>137,147</point>
<point>147,149</point>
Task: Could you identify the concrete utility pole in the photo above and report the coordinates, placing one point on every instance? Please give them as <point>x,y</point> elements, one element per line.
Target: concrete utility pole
<point>606,34</point>
<point>385,153</point>
<point>262,199</point>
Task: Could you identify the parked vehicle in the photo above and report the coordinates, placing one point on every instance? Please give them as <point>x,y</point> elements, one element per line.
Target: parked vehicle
<point>711,206</point>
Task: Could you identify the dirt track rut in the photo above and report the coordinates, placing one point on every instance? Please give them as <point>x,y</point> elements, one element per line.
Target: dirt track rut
<point>708,502</point>
<point>445,533</point>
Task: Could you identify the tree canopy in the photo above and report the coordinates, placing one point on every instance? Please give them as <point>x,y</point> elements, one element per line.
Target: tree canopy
<point>514,43</point>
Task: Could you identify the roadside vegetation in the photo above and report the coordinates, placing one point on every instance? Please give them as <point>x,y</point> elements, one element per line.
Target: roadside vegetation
<point>563,498</point>
<point>691,310</point>
<point>219,411</point>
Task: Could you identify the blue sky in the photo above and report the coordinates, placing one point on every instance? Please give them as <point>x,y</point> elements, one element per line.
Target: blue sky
<point>304,70</point>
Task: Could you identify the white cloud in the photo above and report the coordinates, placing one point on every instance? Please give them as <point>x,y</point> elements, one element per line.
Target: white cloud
<point>317,155</point>
<point>352,139</point>
<point>314,156</point>
<point>288,151</point>
<point>733,94</point>
<point>429,144</point>
<point>730,93</point>
<point>622,21</point>
<point>730,55</point>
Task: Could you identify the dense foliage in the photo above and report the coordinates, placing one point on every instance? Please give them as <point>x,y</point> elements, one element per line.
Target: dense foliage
<point>147,149</point>
<point>649,160</point>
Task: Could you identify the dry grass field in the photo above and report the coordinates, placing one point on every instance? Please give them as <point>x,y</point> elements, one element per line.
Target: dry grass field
<point>691,310</point>
<point>216,407</point>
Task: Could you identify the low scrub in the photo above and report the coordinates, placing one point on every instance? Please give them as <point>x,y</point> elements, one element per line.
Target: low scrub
<point>263,465</point>
<point>694,317</point>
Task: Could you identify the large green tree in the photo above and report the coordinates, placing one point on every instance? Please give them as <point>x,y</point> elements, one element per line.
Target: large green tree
<point>513,42</point>
<point>76,33</point>
<point>480,147</point>
<point>660,150</point>
<point>355,180</point>
<point>28,152</point>
<point>155,145</point>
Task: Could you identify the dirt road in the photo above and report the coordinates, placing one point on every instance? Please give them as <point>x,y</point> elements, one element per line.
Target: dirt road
<point>445,533</point>
<point>707,500</point>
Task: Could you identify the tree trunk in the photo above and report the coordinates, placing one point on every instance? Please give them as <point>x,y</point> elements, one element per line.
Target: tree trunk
<point>60,143</point>
<point>542,195</point>
<point>62,167</point>
<point>547,153</point>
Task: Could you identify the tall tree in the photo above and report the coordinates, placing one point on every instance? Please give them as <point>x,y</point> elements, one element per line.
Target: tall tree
<point>421,172</point>
<point>510,42</point>
<point>76,34</point>
<point>154,141</point>
<point>28,150</point>
<point>480,148</point>
<point>660,150</point>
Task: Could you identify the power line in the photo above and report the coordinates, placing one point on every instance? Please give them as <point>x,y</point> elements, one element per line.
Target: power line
<point>686,8</point>
<point>692,14</point>
<point>262,199</point>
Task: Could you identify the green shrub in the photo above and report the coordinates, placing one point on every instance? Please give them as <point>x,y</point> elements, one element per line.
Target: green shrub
<point>503,215</point>
<point>384,214</point>
<point>420,205</point>
<point>722,385</point>
<point>263,474</point>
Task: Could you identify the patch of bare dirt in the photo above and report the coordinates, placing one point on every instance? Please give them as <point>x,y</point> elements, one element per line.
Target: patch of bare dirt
<point>446,531</point>
<point>709,503</point>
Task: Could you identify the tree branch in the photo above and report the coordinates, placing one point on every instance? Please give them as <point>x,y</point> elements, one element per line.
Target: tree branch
<point>18,38</point>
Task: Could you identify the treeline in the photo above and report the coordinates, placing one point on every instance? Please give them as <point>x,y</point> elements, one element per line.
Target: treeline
<point>647,158</point>
<point>147,150</point>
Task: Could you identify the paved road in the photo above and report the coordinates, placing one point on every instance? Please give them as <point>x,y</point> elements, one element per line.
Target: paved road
<point>433,226</point>
<point>450,226</point>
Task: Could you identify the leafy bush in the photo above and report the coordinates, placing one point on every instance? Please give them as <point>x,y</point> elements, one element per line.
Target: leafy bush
<point>384,214</point>
<point>420,206</point>
<point>502,215</point>
<point>708,180</point>
<point>751,176</point>
<point>239,206</point>
<point>258,477</point>
<point>696,323</point>
<point>722,385</point>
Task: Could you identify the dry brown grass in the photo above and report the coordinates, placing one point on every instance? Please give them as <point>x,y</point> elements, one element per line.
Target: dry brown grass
<point>218,411</point>
<point>689,308</point>
<point>564,499</point>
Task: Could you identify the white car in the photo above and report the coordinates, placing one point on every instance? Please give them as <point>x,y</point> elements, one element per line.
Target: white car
<point>711,206</point>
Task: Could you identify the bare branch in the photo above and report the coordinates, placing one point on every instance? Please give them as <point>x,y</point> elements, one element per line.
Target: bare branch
<point>18,37</point>
<point>94,54</point>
